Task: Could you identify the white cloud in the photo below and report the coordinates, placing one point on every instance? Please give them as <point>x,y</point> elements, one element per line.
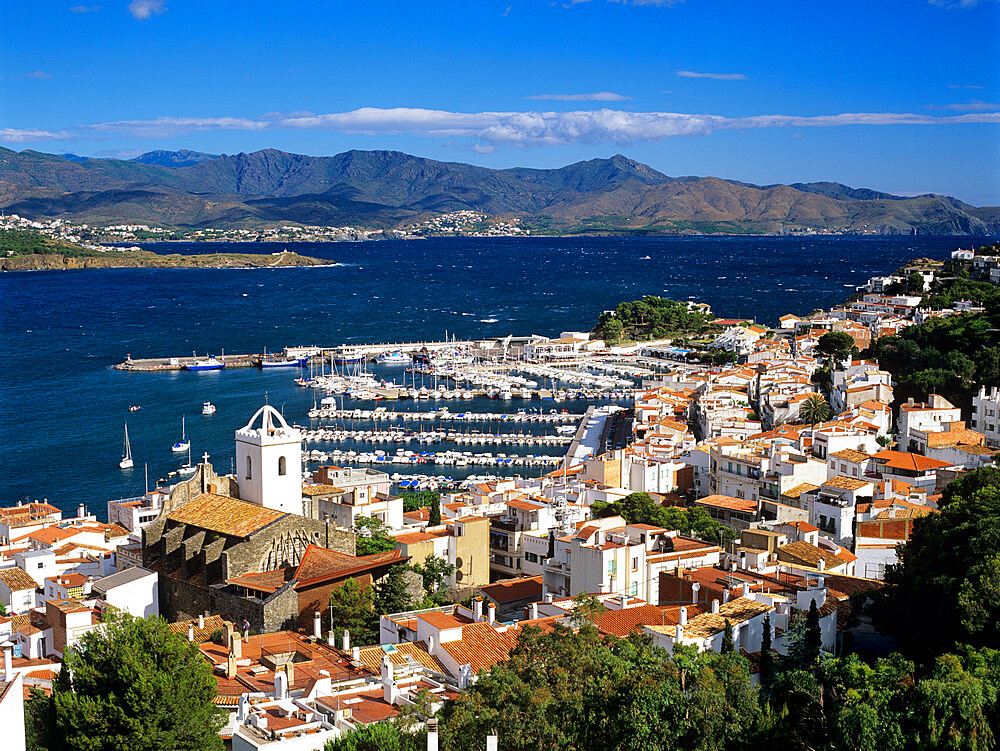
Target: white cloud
<point>974,105</point>
<point>41,74</point>
<point>956,3</point>
<point>143,9</point>
<point>491,129</point>
<point>659,3</point>
<point>597,96</point>
<point>964,86</point>
<point>716,76</point>
<point>86,8</point>
<point>30,135</point>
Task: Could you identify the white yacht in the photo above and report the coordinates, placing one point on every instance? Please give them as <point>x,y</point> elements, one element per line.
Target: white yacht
<point>126,462</point>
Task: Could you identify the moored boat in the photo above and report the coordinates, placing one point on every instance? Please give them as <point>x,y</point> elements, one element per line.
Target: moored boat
<point>212,363</point>
<point>208,408</point>
<point>126,462</point>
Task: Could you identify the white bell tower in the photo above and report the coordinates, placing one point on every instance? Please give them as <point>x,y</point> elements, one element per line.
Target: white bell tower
<point>269,462</point>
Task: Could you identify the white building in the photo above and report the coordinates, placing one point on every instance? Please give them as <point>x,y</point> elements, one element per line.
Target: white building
<point>134,590</point>
<point>933,415</point>
<point>986,414</point>
<point>269,462</point>
<point>11,702</point>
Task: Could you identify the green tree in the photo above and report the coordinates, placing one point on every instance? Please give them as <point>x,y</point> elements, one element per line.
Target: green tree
<point>835,344</point>
<point>948,572</point>
<point>767,661</point>
<point>727,638</point>
<point>417,499</point>
<point>135,684</point>
<point>378,736</point>
<point>392,595</point>
<point>434,570</point>
<point>815,409</point>
<point>435,516</point>
<point>352,608</point>
<point>372,536</point>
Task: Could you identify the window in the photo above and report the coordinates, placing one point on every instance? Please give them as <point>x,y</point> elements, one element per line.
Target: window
<point>531,557</point>
<point>41,565</point>
<point>612,567</point>
<point>249,467</point>
<point>635,563</point>
<point>281,465</point>
<point>634,589</point>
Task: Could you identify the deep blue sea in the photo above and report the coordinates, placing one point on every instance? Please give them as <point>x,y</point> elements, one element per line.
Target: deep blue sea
<point>63,406</point>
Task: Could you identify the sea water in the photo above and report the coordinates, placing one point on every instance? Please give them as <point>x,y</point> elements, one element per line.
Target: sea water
<point>63,405</point>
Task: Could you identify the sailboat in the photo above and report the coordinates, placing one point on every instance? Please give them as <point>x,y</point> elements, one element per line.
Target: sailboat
<point>188,468</point>
<point>126,462</point>
<point>183,444</point>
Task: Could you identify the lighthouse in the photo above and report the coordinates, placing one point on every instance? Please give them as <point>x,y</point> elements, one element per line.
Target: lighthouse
<point>269,462</point>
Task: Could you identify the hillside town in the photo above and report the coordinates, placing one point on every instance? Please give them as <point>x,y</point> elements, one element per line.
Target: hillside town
<point>96,235</point>
<point>739,508</point>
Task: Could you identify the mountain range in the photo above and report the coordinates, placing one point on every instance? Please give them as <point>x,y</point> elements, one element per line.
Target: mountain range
<point>389,190</point>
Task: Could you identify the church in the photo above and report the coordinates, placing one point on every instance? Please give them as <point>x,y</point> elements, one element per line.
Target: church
<point>217,533</point>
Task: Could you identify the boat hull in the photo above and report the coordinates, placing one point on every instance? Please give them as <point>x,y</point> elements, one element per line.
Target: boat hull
<point>213,366</point>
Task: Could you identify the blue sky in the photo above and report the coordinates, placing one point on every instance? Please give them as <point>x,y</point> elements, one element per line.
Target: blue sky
<point>897,96</point>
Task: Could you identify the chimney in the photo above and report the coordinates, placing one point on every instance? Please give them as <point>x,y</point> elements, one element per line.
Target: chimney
<point>236,650</point>
<point>732,565</point>
<point>356,653</point>
<point>229,635</point>
<point>725,595</point>
<point>389,691</point>
<point>623,601</point>
<point>280,684</point>
<point>491,612</point>
<point>678,632</point>
<point>432,734</point>
<point>548,597</point>
<point>745,589</point>
<point>8,664</point>
<point>231,666</point>
<point>81,511</point>
<point>431,644</point>
<point>290,673</point>
<point>533,611</point>
<point>821,564</point>
<point>715,606</point>
<point>682,616</point>
<point>317,629</point>
<point>201,621</point>
<point>695,589</point>
<point>477,609</point>
<point>491,743</point>
<point>346,641</point>
<point>191,631</point>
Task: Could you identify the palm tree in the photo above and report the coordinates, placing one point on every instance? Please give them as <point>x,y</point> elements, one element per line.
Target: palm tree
<point>815,409</point>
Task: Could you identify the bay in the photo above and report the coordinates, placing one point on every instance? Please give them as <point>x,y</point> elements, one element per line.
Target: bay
<point>64,407</point>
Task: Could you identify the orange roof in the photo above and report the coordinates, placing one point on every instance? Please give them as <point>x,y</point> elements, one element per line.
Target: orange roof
<point>15,579</point>
<point>52,535</point>
<point>729,503</point>
<point>410,538</point>
<point>623,622</point>
<point>512,590</point>
<point>228,516</point>
<point>906,460</point>
<point>481,646</point>
<point>372,656</point>
<point>525,505</point>
<point>847,483</point>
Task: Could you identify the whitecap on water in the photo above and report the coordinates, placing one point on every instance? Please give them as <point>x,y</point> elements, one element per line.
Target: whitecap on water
<point>488,320</point>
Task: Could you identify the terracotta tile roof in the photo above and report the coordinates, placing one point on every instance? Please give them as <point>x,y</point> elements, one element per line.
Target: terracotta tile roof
<point>623,622</point>
<point>481,646</point>
<point>847,483</point>
<point>311,491</point>
<point>443,621</point>
<point>228,516</point>
<point>851,455</point>
<point>366,707</point>
<point>201,635</point>
<point>16,579</point>
<point>512,590</point>
<point>799,489</point>
<point>746,505</point>
<point>807,554</point>
<point>372,656</point>
<point>263,581</point>
<point>423,514</point>
<point>409,538</point>
<point>27,513</point>
<point>52,535</point>
<point>906,460</point>
<point>525,505</point>
<point>735,611</point>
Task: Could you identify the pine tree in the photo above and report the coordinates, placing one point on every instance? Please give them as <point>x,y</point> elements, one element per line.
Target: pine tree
<point>728,644</point>
<point>813,636</point>
<point>435,518</point>
<point>766,654</point>
<point>392,595</point>
<point>133,684</point>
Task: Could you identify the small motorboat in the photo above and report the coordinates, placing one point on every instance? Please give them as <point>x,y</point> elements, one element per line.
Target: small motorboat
<point>134,408</point>
<point>208,408</point>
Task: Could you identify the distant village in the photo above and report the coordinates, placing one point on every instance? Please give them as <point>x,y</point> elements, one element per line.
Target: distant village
<point>791,495</point>
<point>465,223</point>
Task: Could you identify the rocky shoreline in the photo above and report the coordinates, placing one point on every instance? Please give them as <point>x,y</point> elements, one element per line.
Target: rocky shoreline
<point>147,259</point>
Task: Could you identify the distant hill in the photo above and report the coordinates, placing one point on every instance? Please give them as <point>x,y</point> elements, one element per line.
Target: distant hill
<point>389,189</point>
